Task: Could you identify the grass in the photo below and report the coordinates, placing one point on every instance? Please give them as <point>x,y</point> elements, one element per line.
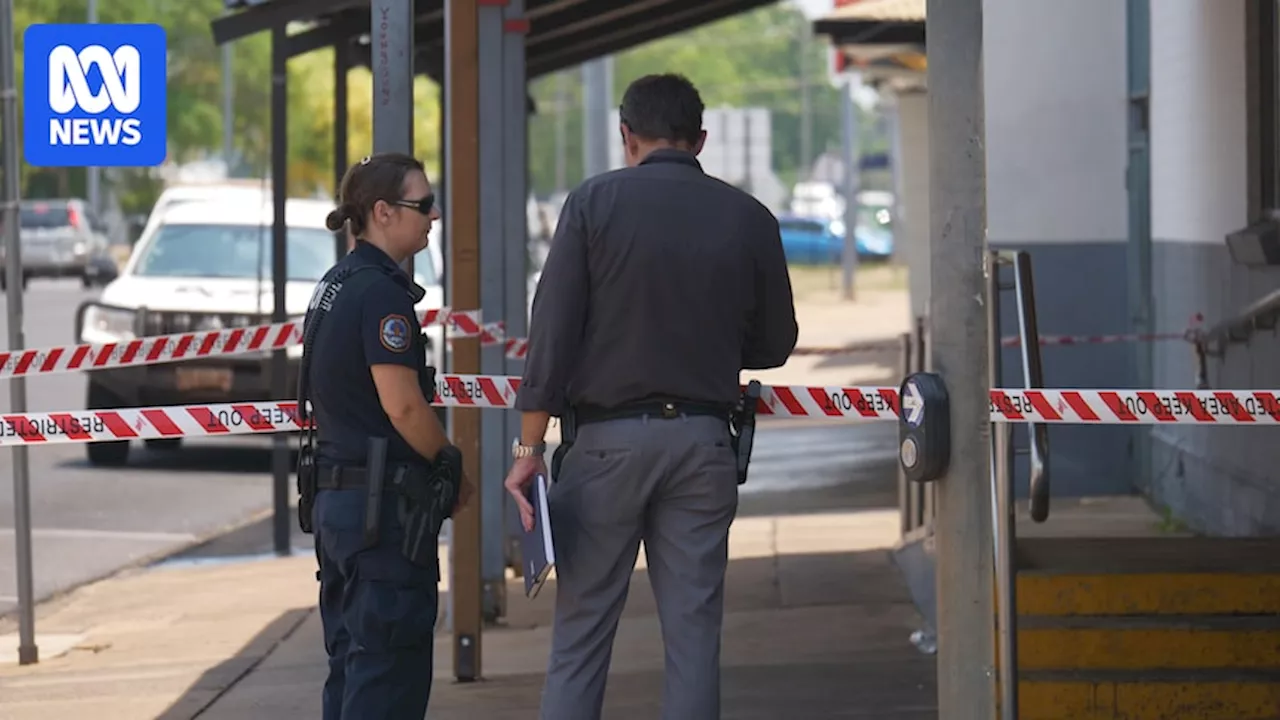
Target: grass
<point>810,280</point>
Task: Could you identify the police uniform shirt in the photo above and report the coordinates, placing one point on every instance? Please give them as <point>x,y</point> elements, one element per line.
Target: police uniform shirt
<point>372,322</point>
<point>661,283</point>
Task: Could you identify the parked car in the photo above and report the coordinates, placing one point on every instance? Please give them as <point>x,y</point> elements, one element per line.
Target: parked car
<point>206,265</point>
<point>818,241</point>
<point>62,238</point>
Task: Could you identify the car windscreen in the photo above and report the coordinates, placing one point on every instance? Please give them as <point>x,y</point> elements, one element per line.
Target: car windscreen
<point>44,216</point>
<point>424,269</point>
<point>233,251</point>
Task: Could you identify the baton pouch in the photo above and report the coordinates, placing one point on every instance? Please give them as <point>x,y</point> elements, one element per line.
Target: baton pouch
<point>376,472</point>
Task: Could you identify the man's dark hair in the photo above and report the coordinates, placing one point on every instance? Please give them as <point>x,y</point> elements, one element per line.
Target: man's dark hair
<point>663,107</point>
<point>377,177</point>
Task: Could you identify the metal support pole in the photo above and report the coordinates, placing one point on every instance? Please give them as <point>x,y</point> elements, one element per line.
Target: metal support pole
<point>851,159</point>
<point>462,71</point>
<point>1003,517</point>
<point>597,91</point>
<point>228,110</point>
<point>281,519</point>
<point>515,177</point>
<point>28,653</point>
<point>93,174</point>
<point>341,109</point>
<point>958,335</point>
<point>494,456</point>
<point>392,53</point>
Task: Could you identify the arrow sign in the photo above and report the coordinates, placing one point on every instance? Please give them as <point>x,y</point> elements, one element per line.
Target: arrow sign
<point>913,404</point>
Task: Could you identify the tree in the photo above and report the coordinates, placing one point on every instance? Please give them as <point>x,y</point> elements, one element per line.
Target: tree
<point>752,59</point>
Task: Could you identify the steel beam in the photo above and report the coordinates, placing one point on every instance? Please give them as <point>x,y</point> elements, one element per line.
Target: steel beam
<point>515,119</point>
<point>494,456</point>
<point>282,519</point>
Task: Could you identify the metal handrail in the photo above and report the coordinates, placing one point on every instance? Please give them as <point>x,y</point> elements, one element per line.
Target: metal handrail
<point>1033,375</point>
<point>1260,314</point>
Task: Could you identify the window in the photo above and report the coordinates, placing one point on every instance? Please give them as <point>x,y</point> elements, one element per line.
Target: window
<point>424,270</point>
<point>44,216</point>
<point>234,251</point>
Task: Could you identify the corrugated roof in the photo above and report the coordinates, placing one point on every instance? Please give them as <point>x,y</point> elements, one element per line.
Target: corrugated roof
<point>880,11</point>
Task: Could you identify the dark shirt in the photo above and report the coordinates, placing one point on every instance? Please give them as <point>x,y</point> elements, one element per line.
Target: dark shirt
<point>661,282</point>
<point>371,322</point>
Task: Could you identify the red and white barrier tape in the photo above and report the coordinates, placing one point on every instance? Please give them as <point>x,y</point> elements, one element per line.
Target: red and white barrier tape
<point>184,346</point>
<point>1075,407</point>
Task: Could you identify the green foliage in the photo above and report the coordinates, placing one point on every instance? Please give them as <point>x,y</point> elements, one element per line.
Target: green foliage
<point>759,59</point>
<point>195,98</point>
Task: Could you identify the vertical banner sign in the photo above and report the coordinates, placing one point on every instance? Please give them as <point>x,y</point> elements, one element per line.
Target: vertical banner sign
<point>94,95</point>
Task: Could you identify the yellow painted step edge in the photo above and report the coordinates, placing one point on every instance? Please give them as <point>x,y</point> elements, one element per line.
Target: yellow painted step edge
<point>1109,700</point>
<point>1148,594</point>
<point>1146,648</point>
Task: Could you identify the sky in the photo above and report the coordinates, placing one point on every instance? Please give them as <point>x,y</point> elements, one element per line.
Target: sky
<point>814,9</point>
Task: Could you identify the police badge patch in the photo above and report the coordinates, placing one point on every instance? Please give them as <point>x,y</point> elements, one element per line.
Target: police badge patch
<point>394,333</point>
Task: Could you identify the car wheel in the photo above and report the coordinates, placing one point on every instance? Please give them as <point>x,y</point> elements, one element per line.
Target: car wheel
<point>114,453</point>
<point>108,454</point>
<point>87,281</point>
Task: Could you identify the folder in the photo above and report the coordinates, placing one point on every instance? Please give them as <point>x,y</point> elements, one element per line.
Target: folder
<point>536,548</point>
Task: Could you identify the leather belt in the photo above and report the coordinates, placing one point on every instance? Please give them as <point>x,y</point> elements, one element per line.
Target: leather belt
<point>661,409</point>
<point>346,477</point>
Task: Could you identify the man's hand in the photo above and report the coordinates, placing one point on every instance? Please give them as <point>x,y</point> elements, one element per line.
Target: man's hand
<point>517,483</point>
<point>465,490</point>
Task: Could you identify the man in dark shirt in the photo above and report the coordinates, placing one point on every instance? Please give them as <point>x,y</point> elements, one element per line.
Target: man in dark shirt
<point>661,285</point>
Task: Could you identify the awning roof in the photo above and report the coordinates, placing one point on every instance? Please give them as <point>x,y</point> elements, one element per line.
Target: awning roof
<point>562,33</point>
<point>875,22</point>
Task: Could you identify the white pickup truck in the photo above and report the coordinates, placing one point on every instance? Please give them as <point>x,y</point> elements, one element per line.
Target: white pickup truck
<point>206,265</point>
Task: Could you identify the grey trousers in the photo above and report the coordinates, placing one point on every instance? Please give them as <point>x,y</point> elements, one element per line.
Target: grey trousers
<point>673,484</point>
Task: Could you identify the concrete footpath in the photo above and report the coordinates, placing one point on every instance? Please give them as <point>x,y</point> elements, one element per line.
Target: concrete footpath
<point>817,627</point>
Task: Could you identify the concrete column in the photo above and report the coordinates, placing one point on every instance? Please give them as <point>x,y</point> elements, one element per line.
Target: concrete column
<point>494,453</point>
<point>911,234</point>
<point>515,119</point>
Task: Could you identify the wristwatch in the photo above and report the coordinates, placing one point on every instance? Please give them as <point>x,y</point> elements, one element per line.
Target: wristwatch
<point>522,451</point>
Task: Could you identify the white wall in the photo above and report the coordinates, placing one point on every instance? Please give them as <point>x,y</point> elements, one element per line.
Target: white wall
<point>1198,120</point>
<point>1220,479</point>
<point>1055,115</point>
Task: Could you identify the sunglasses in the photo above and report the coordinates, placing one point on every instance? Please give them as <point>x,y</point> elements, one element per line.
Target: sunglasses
<point>424,205</point>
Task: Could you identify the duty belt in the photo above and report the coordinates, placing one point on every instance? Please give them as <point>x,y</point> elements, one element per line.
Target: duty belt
<point>346,477</point>
<point>663,409</point>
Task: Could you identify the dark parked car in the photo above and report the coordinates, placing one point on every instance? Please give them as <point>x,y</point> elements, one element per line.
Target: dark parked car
<point>62,238</point>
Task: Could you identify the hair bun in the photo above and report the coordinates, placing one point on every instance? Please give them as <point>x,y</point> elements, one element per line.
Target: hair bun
<point>337,218</point>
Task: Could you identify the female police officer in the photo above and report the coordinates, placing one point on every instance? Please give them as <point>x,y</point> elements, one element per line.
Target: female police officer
<point>364,371</point>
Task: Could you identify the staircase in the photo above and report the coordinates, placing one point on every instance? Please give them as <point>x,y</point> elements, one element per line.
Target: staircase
<point>1172,628</point>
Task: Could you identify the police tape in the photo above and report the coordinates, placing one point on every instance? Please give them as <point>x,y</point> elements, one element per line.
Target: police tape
<point>199,344</point>
<point>1076,407</point>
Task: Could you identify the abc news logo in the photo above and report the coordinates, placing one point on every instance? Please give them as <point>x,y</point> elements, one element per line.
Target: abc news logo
<point>95,95</point>
<point>69,90</point>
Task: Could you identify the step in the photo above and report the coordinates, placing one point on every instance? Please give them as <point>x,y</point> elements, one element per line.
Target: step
<point>1150,593</point>
<point>1148,643</point>
<point>1148,576</point>
<point>1170,695</point>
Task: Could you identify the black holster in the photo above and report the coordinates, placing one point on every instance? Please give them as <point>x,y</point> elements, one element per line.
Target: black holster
<point>428,500</point>
<point>742,427</point>
<point>568,434</point>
